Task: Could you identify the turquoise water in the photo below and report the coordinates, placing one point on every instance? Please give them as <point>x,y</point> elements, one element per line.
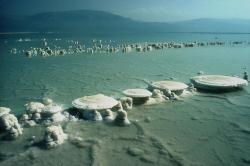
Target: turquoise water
<point>202,129</point>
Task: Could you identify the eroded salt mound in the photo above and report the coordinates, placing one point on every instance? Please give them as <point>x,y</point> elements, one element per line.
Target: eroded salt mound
<point>9,124</point>
<point>54,136</point>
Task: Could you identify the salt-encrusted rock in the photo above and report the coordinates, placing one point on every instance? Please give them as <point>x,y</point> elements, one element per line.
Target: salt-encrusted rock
<point>10,125</point>
<point>92,115</point>
<point>47,101</point>
<point>4,110</point>
<point>127,103</point>
<point>54,136</point>
<point>34,107</point>
<point>122,118</point>
<point>108,115</point>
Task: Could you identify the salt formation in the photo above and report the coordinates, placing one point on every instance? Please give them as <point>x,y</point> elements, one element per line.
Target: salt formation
<point>38,113</point>
<point>34,107</point>
<point>140,96</point>
<point>95,102</point>
<point>91,106</point>
<point>173,86</point>
<point>157,94</point>
<point>9,123</point>
<point>157,97</point>
<point>217,82</point>
<point>54,136</point>
<point>127,103</point>
<point>75,47</point>
<point>122,118</point>
<point>52,114</point>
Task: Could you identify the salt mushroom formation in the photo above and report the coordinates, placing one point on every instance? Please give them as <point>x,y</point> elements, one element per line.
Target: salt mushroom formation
<point>168,87</point>
<point>92,106</point>
<point>139,96</point>
<point>218,82</point>
<point>9,123</point>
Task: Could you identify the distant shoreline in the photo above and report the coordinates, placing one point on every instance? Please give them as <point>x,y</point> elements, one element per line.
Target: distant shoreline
<point>16,33</point>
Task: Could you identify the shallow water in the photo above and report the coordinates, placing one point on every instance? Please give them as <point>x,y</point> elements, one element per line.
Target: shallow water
<point>202,129</point>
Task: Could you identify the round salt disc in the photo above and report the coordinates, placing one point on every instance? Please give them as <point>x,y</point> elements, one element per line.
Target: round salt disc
<point>169,85</point>
<point>218,82</point>
<point>137,93</point>
<point>95,102</point>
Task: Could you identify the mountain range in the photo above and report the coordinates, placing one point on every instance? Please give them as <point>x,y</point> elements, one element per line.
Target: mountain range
<point>85,21</point>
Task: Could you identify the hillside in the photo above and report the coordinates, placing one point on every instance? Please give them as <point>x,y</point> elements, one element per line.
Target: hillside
<point>87,21</point>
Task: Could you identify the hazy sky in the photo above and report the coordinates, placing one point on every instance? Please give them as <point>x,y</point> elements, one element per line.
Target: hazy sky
<point>146,10</point>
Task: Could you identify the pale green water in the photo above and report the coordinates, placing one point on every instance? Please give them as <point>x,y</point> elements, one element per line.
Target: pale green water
<point>203,129</point>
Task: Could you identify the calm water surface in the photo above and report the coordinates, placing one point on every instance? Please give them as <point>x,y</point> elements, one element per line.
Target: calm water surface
<point>202,129</point>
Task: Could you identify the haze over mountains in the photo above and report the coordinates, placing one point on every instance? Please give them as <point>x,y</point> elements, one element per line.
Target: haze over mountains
<point>85,21</point>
